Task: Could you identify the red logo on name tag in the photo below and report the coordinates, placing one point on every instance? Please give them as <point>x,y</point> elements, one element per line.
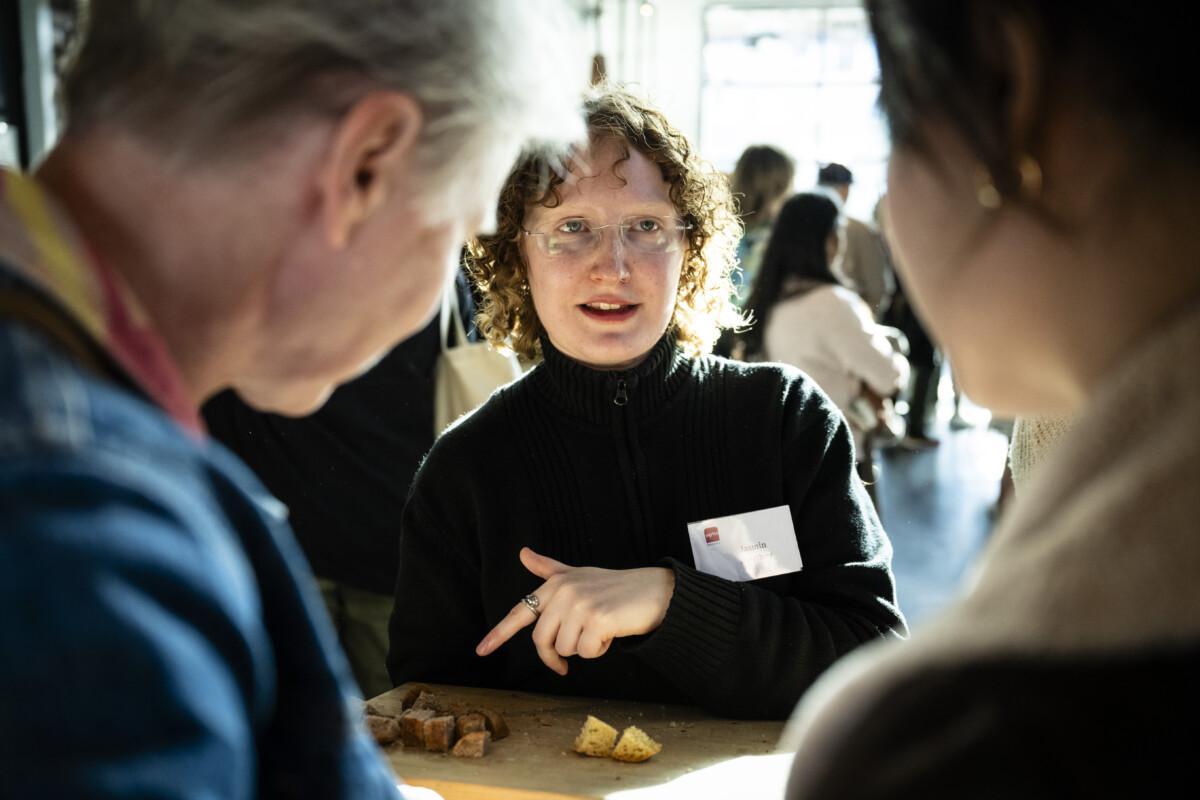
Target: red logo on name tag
<point>711,536</point>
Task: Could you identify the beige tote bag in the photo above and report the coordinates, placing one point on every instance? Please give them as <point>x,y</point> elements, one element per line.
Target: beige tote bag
<point>467,373</point>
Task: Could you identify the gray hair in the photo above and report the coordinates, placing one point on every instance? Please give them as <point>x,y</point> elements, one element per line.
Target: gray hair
<point>211,78</point>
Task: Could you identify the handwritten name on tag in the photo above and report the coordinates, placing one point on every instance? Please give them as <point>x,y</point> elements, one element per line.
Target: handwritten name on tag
<point>745,547</point>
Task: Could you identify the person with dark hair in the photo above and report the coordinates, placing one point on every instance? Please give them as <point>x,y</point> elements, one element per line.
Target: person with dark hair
<point>761,181</point>
<point>804,316</point>
<point>634,518</point>
<point>925,362</point>
<point>1042,187</point>
<point>865,264</point>
<point>835,175</point>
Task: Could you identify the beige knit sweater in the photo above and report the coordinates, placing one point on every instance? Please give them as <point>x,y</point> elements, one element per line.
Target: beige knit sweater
<point>1032,440</point>
<point>1100,553</point>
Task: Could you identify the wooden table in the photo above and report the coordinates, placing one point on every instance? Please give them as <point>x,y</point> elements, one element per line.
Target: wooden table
<point>702,756</point>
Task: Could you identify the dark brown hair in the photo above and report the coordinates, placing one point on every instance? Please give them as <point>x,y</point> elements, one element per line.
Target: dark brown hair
<point>763,174</point>
<point>947,60</point>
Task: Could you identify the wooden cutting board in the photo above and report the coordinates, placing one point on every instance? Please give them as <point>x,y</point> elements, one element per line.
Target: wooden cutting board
<point>536,761</point>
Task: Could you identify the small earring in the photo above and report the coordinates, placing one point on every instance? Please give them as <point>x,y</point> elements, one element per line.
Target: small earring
<point>1029,173</point>
<point>986,193</point>
<point>1031,176</point>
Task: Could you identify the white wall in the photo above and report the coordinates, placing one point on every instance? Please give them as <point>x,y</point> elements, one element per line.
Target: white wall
<point>662,53</point>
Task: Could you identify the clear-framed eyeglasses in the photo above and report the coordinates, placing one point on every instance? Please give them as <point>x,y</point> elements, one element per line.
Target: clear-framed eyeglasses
<point>643,234</point>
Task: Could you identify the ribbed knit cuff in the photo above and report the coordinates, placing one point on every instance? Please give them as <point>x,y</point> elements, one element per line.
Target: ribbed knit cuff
<point>700,631</point>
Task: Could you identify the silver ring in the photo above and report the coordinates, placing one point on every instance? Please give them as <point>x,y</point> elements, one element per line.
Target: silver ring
<point>532,602</point>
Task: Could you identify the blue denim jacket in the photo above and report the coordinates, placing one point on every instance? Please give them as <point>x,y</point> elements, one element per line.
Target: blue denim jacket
<point>158,634</point>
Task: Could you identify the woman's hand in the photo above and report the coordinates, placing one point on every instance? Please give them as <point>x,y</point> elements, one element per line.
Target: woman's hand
<point>582,609</point>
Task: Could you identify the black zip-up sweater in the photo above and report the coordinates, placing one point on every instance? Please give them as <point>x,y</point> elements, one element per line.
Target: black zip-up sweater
<point>606,469</point>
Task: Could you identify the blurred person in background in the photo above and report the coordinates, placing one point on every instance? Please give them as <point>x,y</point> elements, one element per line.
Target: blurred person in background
<point>265,196</point>
<point>924,359</point>
<point>865,264</point>
<point>1043,187</point>
<point>805,317</point>
<point>761,181</point>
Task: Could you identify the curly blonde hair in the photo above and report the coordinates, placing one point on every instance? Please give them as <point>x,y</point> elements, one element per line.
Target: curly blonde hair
<point>704,303</point>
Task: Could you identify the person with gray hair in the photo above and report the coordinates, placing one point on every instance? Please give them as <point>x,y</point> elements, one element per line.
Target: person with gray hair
<point>261,196</point>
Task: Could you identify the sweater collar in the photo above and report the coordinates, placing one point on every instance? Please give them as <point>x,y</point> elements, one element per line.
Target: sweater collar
<point>596,395</point>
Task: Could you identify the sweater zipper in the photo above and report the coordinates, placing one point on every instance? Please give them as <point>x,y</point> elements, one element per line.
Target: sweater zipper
<point>628,446</point>
<point>621,397</point>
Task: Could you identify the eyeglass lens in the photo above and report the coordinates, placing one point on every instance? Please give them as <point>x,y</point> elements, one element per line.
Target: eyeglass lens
<point>649,235</point>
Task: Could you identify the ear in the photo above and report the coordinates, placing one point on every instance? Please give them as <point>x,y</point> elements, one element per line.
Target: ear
<point>372,145</point>
<point>1026,90</point>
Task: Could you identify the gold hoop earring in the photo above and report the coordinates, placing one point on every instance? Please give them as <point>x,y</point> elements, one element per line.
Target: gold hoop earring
<point>986,193</point>
<point>1031,176</point>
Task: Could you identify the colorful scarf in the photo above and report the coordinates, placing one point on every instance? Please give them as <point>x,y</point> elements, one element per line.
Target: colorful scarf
<point>40,243</point>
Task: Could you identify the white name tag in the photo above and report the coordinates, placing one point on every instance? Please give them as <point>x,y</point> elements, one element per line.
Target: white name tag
<point>743,547</point>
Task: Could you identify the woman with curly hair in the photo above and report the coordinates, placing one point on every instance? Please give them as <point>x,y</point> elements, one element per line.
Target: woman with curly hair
<point>672,526</point>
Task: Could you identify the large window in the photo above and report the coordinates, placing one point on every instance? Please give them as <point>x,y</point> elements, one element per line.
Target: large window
<point>802,79</point>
